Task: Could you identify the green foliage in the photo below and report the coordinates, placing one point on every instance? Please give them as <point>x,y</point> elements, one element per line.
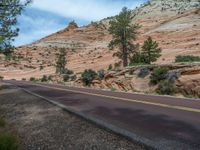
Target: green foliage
<point>1,78</point>
<point>187,58</point>
<point>8,142</point>
<point>137,59</point>
<point>32,79</point>
<point>9,10</point>
<point>143,72</point>
<point>44,78</point>
<point>123,33</point>
<point>2,123</point>
<point>166,88</point>
<point>101,74</point>
<point>150,51</point>
<point>67,71</point>
<point>88,76</point>
<point>66,77</point>
<point>110,67</point>
<point>61,61</point>
<point>159,74</point>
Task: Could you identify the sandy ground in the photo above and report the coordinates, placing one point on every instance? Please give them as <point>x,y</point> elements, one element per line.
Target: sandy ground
<point>43,126</point>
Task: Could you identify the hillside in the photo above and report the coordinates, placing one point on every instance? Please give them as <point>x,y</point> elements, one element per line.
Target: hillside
<point>175,24</point>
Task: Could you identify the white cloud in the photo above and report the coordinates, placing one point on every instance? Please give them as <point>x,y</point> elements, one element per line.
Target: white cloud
<point>84,9</point>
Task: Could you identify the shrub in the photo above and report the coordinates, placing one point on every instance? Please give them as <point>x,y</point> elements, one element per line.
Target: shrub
<point>143,72</point>
<point>88,76</point>
<point>158,75</point>
<point>101,74</point>
<point>41,67</point>
<point>137,59</point>
<point>32,79</point>
<point>67,71</point>
<point>66,77</point>
<point>110,67</point>
<point>187,58</point>
<point>8,142</point>
<point>44,78</point>
<point>73,78</point>
<point>166,88</point>
<point>1,78</point>
<point>50,78</point>
<point>2,122</point>
<point>23,79</point>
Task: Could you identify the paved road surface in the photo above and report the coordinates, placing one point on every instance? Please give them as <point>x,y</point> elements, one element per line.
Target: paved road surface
<point>164,123</point>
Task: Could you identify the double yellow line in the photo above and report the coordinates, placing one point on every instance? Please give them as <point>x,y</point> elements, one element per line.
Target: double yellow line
<point>126,99</point>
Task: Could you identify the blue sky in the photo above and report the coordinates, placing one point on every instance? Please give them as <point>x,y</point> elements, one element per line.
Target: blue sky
<point>44,17</point>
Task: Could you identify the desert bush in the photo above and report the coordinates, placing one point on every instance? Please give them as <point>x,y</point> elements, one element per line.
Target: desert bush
<point>41,67</point>
<point>2,122</point>
<point>32,79</point>
<point>67,71</point>
<point>101,74</point>
<point>166,87</point>
<point>110,67</point>
<point>66,77</point>
<point>50,78</point>
<point>1,78</point>
<point>8,142</point>
<point>23,79</point>
<point>73,78</point>
<point>44,78</point>
<point>158,75</point>
<point>187,58</point>
<point>143,72</point>
<point>88,76</point>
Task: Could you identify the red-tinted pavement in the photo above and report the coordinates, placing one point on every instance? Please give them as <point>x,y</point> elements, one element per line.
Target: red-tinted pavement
<point>158,121</point>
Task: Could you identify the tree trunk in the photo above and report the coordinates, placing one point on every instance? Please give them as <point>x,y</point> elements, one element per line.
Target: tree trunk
<point>125,56</point>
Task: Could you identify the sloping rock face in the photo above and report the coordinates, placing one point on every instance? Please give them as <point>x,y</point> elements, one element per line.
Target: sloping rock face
<point>187,80</point>
<point>174,24</point>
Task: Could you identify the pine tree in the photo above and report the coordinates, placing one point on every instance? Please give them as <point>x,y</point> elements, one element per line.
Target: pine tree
<point>61,61</point>
<point>150,50</point>
<point>9,10</point>
<point>123,33</point>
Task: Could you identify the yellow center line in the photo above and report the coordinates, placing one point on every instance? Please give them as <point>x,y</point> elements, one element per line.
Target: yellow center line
<point>126,99</point>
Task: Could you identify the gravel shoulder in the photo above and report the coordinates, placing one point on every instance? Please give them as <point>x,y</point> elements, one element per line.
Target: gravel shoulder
<point>43,126</point>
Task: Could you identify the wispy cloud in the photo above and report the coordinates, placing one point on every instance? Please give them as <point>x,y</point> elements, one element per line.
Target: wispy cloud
<point>85,9</point>
<point>44,17</point>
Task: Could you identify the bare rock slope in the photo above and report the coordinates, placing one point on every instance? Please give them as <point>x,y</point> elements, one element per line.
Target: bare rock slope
<point>175,24</point>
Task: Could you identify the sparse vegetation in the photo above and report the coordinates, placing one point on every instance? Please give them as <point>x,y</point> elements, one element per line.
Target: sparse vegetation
<point>101,74</point>
<point>110,67</point>
<point>143,72</point>
<point>158,75</point>
<point>8,142</point>
<point>1,78</point>
<point>166,87</point>
<point>2,123</point>
<point>32,79</point>
<point>44,78</point>
<point>88,76</point>
<point>187,58</point>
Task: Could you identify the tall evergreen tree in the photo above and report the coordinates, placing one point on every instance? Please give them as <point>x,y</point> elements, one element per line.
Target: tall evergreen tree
<point>123,33</point>
<point>150,50</point>
<point>61,61</point>
<point>9,10</point>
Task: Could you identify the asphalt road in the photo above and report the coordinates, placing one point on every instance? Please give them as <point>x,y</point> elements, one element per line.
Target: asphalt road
<point>162,122</point>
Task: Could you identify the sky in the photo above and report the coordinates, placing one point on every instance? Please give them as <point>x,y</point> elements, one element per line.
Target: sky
<point>44,17</point>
